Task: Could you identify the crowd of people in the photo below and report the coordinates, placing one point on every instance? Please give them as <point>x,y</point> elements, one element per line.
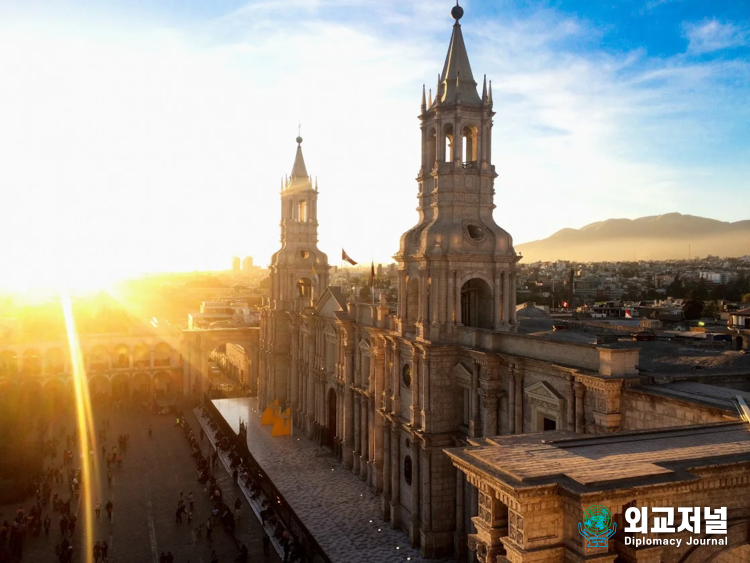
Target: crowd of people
<point>62,505</point>
<point>241,473</point>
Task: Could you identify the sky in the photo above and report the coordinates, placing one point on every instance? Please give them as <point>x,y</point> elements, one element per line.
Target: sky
<point>143,136</point>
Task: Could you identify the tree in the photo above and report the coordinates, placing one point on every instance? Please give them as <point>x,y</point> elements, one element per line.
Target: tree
<point>692,309</point>
<point>710,309</point>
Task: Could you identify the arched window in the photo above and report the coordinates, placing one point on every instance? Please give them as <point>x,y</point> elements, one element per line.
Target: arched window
<point>303,211</point>
<point>407,470</point>
<point>406,375</point>
<point>448,139</point>
<point>469,137</point>
<point>431,149</point>
<point>304,288</point>
<point>476,304</point>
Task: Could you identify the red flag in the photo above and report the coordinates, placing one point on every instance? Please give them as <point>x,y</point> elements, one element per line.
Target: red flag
<point>345,256</point>
<point>372,274</point>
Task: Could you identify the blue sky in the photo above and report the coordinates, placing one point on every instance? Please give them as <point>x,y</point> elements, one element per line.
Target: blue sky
<point>129,123</point>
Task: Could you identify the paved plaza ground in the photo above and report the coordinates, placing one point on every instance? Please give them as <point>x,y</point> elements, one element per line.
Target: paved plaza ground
<point>144,493</point>
<point>337,507</point>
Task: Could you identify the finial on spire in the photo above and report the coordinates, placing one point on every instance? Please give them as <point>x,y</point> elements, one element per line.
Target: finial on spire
<point>299,134</point>
<point>424,99</point>
<point>484,89</point>
<point>490,94</point>
<point>437,90</point>
<point>457,12</point>
<point>316,183</point>
<point>429,100</point>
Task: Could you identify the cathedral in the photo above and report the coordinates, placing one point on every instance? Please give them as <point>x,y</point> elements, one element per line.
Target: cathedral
<point>403,392</point>
<point>389,389</point>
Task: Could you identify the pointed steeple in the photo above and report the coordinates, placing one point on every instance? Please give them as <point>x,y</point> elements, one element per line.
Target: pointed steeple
<point>299,171</point>
<point>456,76</point>
<point>484,89</point>
<point>429,101</point>
<point>424,99</point>
<point>490,94</point>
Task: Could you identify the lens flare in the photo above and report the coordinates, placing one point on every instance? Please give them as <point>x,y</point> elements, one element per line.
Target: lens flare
<point>85,429</point>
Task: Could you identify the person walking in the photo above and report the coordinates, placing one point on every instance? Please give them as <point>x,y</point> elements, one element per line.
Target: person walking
<point>47,524</point>
<point>109,507</point>
<point>237,506</point>
<point>98,509</point>
<point>209,529</point>
<point>190,501</point>
<point>266,544</point>
<point>105,551</point>
<point>178,514</point>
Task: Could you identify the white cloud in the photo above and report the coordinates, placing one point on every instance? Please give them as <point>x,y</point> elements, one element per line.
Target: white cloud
<point>712,35</point>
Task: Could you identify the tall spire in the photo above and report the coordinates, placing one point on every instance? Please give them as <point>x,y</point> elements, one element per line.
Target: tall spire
<point>456,76</point>
<point>299,170</point>
<point>424,99</point>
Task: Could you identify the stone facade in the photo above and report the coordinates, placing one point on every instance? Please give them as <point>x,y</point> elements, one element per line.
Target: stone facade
<point>533,492</point>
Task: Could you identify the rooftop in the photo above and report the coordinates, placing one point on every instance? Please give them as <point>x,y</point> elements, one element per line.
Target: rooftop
<point>586,464</point>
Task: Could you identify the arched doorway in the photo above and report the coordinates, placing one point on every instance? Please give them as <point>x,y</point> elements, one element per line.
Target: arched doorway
<point>476,304</point>
<point>331,434</point>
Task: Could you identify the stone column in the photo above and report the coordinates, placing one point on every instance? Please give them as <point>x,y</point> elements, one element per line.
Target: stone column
<point>490,402</point>
<point>415,482</point>
<point>519,403</point>
<point>416,411</point>
<point>570,414</point>
<point>348,447</point>
<point>386,469</point>
<point>426,490</point>
<point>450,298</point>
<point>396,399</point>
<point>377,420</point>
<point>457,298</point>
<point>395,477</point>
<point>459,536</point>
<point>580,409</point>
<point>426,413</point>
<point>506,298</point>
<point>357,434</point>
<point>498,301</point>
<point>512,403</point>
<point>475,422</point>
<point>365,446</point>
<point>401,293</point>
<point>293,375</point>
<point>442,295</point>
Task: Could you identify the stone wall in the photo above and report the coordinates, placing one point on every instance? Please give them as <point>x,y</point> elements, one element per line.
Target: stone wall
<point>642,410</point>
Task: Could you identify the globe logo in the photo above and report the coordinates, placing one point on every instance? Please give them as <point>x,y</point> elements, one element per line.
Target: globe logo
<point>597,526</point>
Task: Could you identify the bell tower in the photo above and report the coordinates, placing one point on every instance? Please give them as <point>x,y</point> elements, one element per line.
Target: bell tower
<point>299,271</point>
<point>457,267</point>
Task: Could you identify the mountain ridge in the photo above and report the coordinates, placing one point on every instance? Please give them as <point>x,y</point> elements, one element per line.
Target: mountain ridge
<point>655,237</point>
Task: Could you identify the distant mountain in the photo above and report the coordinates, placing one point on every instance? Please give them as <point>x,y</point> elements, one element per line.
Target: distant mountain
<point>661,237</point>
